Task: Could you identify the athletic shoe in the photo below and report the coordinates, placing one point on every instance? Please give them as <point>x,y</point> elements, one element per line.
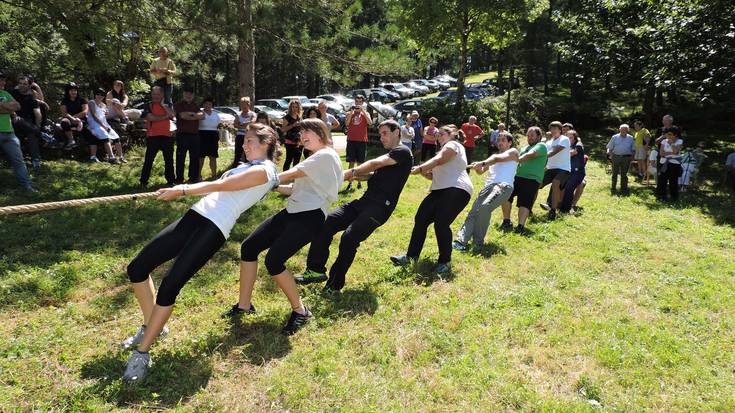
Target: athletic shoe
<point>545,207</point>
<point>459,246</point>
<point>31,190</point>
<point>310,277</point>
<point>506,226</point>
<point>520,229</point>
<point>137,367</point>
<point>94,159</point>
<point>114,161</point>
<point>443,268</point>
<point>123,160</point>
<point>236,311</point>
<point>296,321</point>
<point>359,185</point>
<point>401,260</point>
<point>551,216</point>
<point>136,338</point>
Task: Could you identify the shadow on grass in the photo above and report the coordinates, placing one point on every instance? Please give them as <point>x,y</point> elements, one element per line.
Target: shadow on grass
<point>177,375</point>
<point>489,249</point>
<point>344,304</point>
<point>716,204</point>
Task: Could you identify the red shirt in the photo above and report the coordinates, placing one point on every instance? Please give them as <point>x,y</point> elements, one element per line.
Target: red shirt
<point>358,129</point>
<point>471,132</point>
<point>158,127</point>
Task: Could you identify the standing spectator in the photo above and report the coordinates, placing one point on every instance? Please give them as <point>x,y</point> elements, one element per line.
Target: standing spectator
<point>188,116</point>
<point>292,128</point>
<point>576,175</point>
<point>360,218</point>
<point>158,124</point>
<point>326,117</point>
<point>667,121</point>
<point>558,166</point>
<point>418,133</point>
<point>471,132</point>
<point>242,121</point>
<point>428,146</point>
<point>101,130</point>
<point>565,128</point>
<point>730,169</point>
<point>408,133</point>
<point>27,121</point>
<point>74,110</point>
<point>669,170</point>
<point>642,142</point>
<point>451,190</point>
<point>8,141</point>
<point>532,159</point>
<point>313,113</point>
<point>492,143</point>
<point>209,137</point>
<point>357,121</point>
<point>263,119</point>
<point>163,71</point>
<point>621,146</point>
<point>117,101</point>
<point>501,172</point>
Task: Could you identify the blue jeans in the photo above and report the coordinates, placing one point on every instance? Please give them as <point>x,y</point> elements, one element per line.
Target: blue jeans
<point>11,146</point>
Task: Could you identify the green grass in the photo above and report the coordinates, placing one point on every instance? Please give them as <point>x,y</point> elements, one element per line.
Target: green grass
<point>629,304</point>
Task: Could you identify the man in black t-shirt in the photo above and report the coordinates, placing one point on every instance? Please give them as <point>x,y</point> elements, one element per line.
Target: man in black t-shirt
<point>27,123</point>
<point>361,217</point>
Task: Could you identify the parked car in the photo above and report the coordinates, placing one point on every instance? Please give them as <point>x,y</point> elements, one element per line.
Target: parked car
<point>421,90</point>
<point>305,102</point>
<point>274,115</point>
<point>380,112</point>
<point>425,83</point>
<point>278,104</point>
<point>333,108</point>
<point>392,96</point>
<point>226,117</point>
<point>340,99</point>
<point>400,89</point>
<point>468,94</point>
<point>448,79</point>
<point>231,110</point>
<point>439,85</point>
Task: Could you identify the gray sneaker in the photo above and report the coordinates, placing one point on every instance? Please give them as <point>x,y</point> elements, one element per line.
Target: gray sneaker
<point>136,338</point>
<point>137,367</point>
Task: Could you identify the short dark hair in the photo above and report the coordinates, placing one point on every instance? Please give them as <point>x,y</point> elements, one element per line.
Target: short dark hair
<point>555,124</point>
<point>391,124</point>
<point>208,99</point>
<point>674,129</point>
<point>508,137</point>
<point>100,91</point>
<point>360,96</point>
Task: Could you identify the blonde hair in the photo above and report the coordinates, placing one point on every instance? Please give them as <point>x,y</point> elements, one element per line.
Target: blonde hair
<point>294,103</point>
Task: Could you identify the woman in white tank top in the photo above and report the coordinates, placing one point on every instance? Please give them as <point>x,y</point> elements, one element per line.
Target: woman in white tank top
<point>501,172</point>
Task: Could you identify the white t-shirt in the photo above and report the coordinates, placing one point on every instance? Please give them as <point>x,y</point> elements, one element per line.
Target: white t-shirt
<point>224,208</point>
<point>244,120</point>
<point>320,187</point>
<point>667,147</point>
<point>452,174</point>
<point>561,160</point>
<point>653,155</point>
<point>502,173</point>
<point>210,122</point>
<point>407,134</point>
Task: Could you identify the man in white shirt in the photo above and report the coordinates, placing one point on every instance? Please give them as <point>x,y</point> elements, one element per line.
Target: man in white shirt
<point>621,147</point>
<point>557,167</point>
<point>730,166</point>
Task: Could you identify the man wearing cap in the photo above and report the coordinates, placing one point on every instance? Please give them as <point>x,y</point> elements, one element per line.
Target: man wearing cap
<point>188,115</point>
<point>8,141</point>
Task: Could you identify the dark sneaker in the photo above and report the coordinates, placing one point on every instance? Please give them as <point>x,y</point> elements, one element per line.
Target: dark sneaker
<point>506,226</point>
<point>137,367</point>
<point>296,321</point>
<point>520,229</point>
<point>459,246</point>
<point>348,188</point>
<point>443,268</point>
<point>551,216</point>
<point>545,207</point>
<point>401,260</point>
<point>359,185</point>
<point>236,311</point>
<point>310,277</point>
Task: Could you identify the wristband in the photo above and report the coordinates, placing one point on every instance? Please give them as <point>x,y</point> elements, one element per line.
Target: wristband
<point>352,171</point>
<point>183,190</point>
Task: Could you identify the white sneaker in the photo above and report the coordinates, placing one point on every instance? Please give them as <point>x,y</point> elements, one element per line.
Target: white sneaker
<point>136,338</point>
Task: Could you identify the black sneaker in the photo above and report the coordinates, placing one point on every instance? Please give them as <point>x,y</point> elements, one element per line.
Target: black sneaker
<point>310,277</point>
<point>236,311</point>
<point>520,229</point>
<point>552,215</point>
<point>296,321</point>
<point>506,226</point>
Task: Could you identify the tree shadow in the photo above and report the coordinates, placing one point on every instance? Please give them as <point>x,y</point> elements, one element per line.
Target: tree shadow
<point>424,274</point>
<point>714,203</point>
<point>488,249</point>
<point>178,374</point>
<point>347,303</point>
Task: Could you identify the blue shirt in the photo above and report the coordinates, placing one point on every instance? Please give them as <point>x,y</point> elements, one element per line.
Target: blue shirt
<point>577,161</point>
<point>619,145</point>
<point>418,127</point>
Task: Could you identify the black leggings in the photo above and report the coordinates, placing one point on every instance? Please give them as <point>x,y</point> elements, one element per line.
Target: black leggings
<point>440,207</point>
<point>358,219</point>
<point>670,180</point>
<point>283,235</point>
<point>239,152</point>
<point>192,240</point>
<point>293,155</point>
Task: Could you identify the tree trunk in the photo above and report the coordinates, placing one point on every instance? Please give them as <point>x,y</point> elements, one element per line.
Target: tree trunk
<point>246,50</point>
<point>507,102</point>
<point>648,99</point>
<point>501,67</point>
<point>463,63</point>
<point>659,98</point>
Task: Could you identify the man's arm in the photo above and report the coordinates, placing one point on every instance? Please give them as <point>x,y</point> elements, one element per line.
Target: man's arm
<point>369,167</point>
<point>38,116</point>
<point>9,107</point>
<point>532,154</point>
<point>368,119</point>
<point>555,150</point>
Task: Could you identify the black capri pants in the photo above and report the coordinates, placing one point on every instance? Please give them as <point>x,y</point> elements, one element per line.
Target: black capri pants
<point>283,235</point>
<point>192,240</point>
<point>440,207</point>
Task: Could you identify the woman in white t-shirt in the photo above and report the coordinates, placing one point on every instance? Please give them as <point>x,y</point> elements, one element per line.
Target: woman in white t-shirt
<point>451,190</point>
<point>209,137</point>
<point>192,240</point>
<point>501,172</point>
<point>316,183</point>
<point>670,169</point>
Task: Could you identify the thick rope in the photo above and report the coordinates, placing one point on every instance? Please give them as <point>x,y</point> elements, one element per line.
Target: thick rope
<point>22,209</point>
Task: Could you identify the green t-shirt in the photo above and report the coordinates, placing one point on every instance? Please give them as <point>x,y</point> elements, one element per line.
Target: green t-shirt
<point>5,124</point>
<point>533,169</point>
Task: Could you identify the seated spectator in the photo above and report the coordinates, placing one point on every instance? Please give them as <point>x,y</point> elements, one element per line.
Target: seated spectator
<point>691,162</point>
<point>101,130</point>
<point>73,110</point>
<point>117,101</point>
<point>730,169</point>
<point>670,165</point>
<point>27,122</point>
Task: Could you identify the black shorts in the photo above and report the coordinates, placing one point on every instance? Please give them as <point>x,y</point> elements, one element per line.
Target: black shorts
<point>208,143</point>
<point>525,189</point>
<point>555,175</point>
<point>356,151</point>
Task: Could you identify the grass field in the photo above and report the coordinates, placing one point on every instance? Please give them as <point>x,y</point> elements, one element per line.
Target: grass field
<point>628,306</point>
